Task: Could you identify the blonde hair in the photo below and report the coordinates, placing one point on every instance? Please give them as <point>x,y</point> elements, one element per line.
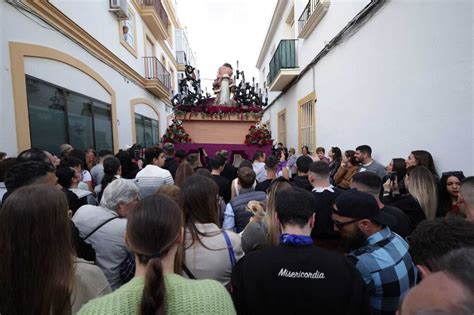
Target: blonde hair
<point>274,230</point>
<point>422,186</point>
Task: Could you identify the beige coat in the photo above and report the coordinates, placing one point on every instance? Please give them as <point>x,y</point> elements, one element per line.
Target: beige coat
<point>212,262</point>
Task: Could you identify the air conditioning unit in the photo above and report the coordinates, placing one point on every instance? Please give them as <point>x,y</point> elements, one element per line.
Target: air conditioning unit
<point>119,8</point>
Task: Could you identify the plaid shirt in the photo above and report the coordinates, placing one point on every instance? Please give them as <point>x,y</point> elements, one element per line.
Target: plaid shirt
<point>387,270</point>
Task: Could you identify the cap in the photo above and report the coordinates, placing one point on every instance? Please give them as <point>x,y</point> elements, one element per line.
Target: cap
<point>361,205</point>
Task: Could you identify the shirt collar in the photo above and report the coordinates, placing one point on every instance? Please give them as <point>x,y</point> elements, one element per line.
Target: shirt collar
<point>380,235</point>
<point>368,164</point>
<point>321,189</point>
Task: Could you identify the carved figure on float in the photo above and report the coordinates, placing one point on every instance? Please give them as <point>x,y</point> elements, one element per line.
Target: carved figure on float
<point>223,84</point>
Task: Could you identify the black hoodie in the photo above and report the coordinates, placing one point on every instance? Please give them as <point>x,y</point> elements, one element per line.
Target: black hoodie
<point>302,182</point>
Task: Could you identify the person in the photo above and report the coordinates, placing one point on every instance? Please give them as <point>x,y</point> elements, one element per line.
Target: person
<point>229,171</point>
<point>466,198</point>
<point>256,230</point>
<point>320,152</point>
<point>236,217</point>
<point>129,167</point>
<point>5,166</point>
<point>325,194</point>
<point>364,156</point>
<point>259,165</point>
<point>370,183</point>
<point>68,178</point>
<point>420,189</point>
<point>183,171</point>
<point>291,162</point>
<point>103,227</point>
<point>380,255</point>
<point>296,277</point>
<point>448,291</point>
<point>305,150</point>
<point>180,155</point>
<point>171,164</point>
<point>422,158</point>
<point>33,154</point>
<point>86,177</point>
<point>397,170</point>
<point>65,149</point>
<point>271,163</point>
<point>209,252</point>
<point>335,155</point>
<point>154,234</point>
<point>29,173</point>
<point>234,185</point>
<point>39,273</point>
<point>112,171</point>
<point>3,156</point>
<point>90,159</point>
<point>170,191</point>
<point>434,238</point>
<point>349,167</point>
<point>97,171</point>
<point>449,185</point>
<point>152,176</point>
<point>217,165</point>
<point>301,179</point>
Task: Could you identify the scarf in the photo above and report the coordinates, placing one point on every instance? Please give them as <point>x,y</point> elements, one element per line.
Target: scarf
<point>293,239</point>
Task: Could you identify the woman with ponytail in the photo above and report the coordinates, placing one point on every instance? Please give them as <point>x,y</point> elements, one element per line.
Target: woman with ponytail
<point>154,234</point>
<point>112,170</point>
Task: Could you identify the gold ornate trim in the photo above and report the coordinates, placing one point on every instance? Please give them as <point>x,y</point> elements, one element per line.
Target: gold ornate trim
<point>18,52</point>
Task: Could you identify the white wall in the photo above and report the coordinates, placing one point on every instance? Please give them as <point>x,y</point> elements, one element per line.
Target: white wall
<point>403,82</point>
<point>26,30</point>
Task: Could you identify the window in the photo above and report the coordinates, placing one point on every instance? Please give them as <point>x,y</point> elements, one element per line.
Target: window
<point>173,87</point>
<point>306,121</point>
<point>128,34</point>
<point>282,127</point>
<point>57,116</point>
<point>147,131</point>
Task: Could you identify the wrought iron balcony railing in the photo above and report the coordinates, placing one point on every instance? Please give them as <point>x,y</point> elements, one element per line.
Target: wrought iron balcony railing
<point>160,10</point>
<point>308,10</point>
<point>154,69</point>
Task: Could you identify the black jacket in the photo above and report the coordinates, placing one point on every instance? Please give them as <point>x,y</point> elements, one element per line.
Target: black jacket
<point>302,182</point>
<point>288,279</point>
<point>408,205</point>
<point>171,165</point>
<point>324,227</point>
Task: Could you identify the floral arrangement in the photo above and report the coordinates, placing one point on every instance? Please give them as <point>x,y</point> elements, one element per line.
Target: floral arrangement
<point>259,135</point>
<point>175,133</point>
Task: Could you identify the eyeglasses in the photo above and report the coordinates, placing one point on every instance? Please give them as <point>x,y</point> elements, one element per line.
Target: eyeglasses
<point>340,224</point>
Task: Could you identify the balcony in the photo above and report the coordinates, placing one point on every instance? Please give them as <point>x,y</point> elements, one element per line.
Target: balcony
<point>155,17</point>
<point>181,60</point>
<point>157,78</point>
<point>311,16</point>
<point>283,67</point>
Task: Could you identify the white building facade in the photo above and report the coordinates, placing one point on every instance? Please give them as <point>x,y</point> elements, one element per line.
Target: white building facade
<point>95,74</point>
<point>396,75</point>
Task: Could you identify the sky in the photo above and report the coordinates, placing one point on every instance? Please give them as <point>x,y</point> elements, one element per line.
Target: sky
<point>222,31</point>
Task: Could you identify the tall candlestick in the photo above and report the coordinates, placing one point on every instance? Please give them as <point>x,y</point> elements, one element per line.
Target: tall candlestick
<point>237,65</point>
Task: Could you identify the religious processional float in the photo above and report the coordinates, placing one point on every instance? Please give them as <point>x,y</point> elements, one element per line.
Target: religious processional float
<point>228,120</point>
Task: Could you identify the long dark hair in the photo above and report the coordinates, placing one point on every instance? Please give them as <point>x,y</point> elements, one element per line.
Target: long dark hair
<point>337,153</point>
<point>111,167</point>
<point>199,204</point>
<point>153,228</point>
<point>350,155</point>
<point>445,202</point>
<point>183,171</point>
<point>424,158</point>
<point>399,166</point>
<point>37,272</point>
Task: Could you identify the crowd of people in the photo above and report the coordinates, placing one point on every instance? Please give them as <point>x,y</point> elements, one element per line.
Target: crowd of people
<point>160,230</point>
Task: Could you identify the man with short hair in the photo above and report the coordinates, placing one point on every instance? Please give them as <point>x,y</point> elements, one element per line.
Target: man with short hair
<point>434,238</point>
<point>97,172</point>
<point>370,183</point>
<point>302,169</point>
<point>259,165</point>
<point>271,163</point>
<point>380,255</point>
<point>170,162</point>
<point>325,194</point>
<point>364,156</point>
<point>448,291</point>
<point>152,176</point>
<point>29,173</point>
<point>217,165</point>
<point>466,198</point>
<point>296,277</point>
<point>236,217</point>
